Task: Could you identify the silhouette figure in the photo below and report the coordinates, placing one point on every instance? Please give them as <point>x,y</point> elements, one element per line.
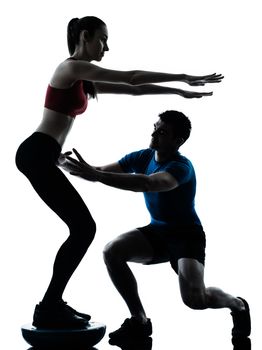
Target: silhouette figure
<point>73,83</point>
<point>175,233</point>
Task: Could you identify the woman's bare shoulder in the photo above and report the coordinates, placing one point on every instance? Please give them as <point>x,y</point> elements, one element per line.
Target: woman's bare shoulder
<point>63,77</point>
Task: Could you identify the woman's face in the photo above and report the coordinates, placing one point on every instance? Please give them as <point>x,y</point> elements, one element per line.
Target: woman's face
<point>97,45</point>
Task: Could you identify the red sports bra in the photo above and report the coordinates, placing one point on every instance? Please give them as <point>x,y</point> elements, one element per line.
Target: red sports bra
<point>71,101</point>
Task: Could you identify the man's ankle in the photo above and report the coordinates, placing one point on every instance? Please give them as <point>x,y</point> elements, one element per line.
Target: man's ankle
<point>238,305</point>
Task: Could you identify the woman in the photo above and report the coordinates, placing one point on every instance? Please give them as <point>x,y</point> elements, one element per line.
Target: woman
<point>74,80</point>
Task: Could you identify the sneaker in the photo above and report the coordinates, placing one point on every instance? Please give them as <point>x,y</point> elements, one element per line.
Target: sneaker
<point>241,321</point>
<point>132,327</point>
<point>243,343</point>
<point>77,313</point>
<point>57,316</point>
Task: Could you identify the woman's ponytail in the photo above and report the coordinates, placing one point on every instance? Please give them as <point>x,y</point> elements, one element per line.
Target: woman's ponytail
<point>72,34</point>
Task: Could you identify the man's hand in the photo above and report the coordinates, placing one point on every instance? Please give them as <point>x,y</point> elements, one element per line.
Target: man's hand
<point>62,159</point>
<point>203,79</point>
<point>77,167</point>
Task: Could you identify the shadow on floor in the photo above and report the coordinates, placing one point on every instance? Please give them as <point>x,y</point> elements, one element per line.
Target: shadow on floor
<point>133,344</point>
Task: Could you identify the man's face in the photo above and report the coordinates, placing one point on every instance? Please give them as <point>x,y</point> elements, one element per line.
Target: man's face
<point>163,139</point>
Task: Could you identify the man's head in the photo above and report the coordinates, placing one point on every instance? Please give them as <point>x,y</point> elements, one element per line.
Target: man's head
<point>170,132</point>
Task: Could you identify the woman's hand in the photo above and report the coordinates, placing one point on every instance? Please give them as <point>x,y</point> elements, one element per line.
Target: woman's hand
<point>194,94</point>
<point>203,79</point>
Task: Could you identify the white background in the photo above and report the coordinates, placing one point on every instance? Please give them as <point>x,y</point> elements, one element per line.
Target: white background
<point>194,37</point>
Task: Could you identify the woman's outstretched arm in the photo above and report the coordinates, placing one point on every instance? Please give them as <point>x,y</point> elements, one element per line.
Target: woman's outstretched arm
<point>83,70</point>
<point>148,89</point>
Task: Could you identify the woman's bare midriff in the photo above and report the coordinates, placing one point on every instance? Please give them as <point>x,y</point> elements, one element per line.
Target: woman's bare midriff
<point>56,125</point>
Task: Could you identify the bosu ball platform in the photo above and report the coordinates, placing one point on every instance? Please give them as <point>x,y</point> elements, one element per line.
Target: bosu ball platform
<point>41,338</point>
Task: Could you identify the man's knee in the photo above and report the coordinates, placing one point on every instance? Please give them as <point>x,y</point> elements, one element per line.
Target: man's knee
<point>194,298</point>
<point>111,253</point>
<point>192,287</point>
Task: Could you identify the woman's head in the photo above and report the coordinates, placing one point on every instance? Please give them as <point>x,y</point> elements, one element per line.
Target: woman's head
<point>89,29</point>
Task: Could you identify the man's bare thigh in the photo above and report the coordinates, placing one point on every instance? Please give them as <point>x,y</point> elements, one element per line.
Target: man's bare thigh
<point>132,246</point>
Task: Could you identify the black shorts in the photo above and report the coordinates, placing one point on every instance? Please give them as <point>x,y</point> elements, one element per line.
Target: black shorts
<point>173,244</point>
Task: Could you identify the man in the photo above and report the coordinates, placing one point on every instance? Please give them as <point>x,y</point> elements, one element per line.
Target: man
<point>175,233</point>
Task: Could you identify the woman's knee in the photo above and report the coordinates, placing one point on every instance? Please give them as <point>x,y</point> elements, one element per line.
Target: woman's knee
<point>84,232</point>
<point>90,231</point>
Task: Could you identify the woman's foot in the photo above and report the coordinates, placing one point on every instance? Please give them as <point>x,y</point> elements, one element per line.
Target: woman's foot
<point>57,316</point>
<point>77,313</point>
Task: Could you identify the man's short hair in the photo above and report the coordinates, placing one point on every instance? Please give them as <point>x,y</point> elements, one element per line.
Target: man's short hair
<point>180,123</point>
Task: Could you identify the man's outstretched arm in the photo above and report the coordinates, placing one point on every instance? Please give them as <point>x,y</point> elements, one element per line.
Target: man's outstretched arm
<point>113,176</point>
<point>64,163</point>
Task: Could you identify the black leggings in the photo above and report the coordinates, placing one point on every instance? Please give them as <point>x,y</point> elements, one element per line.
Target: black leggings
<point>36,158</point>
